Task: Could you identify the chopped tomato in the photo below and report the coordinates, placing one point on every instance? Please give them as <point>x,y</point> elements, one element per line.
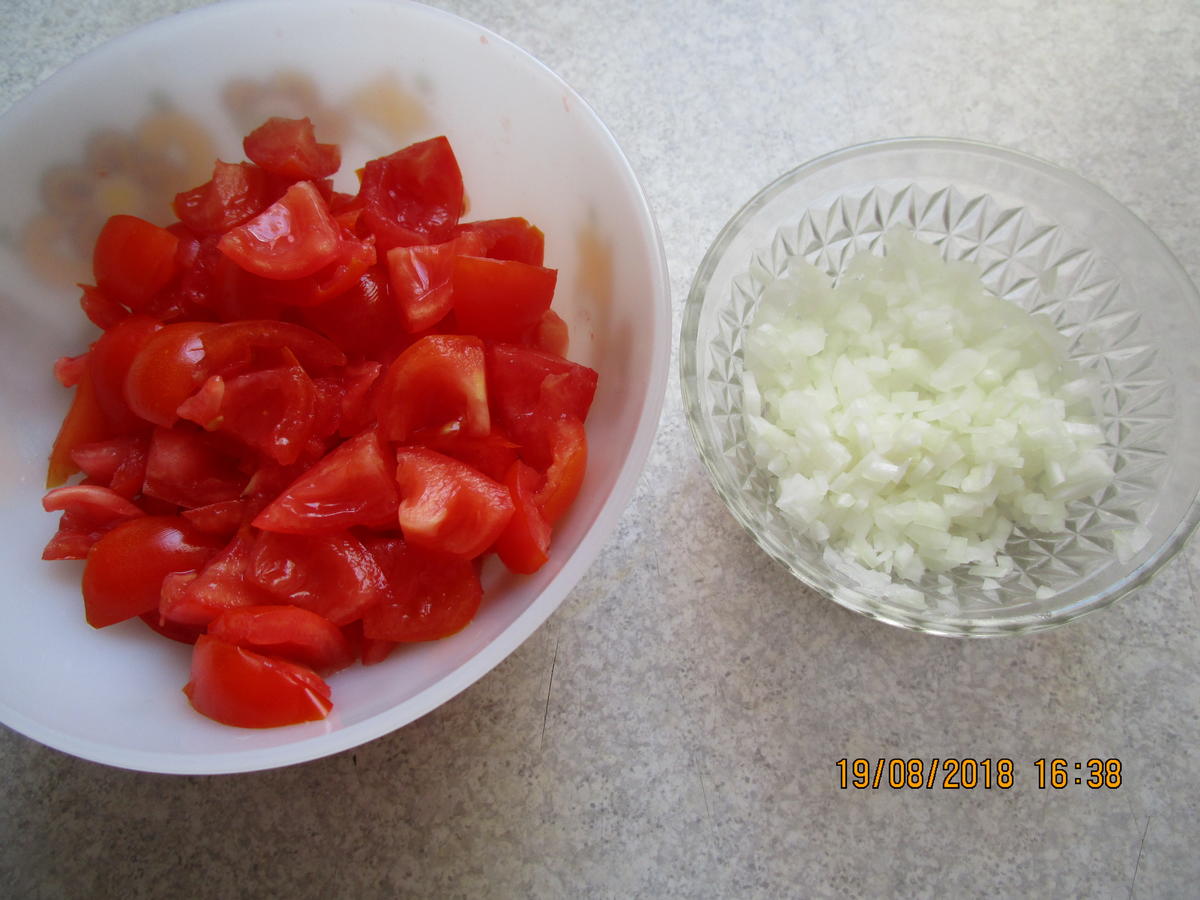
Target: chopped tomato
<point>526,383</point>
<point>514,239</point>
<point>431,596</point>
<point>447,506</point>
<point>167,369</point>
<point>353,485</point>
<point>500,299</point>
<point>85,423</point>
<point>292,238</point>
<point>413,196</point>
<point>236,193</point>
<point>222,518</point>
<point>362,321</point>
<point>420,276</point>
<point>330,574</point>
<point>438,382</point>
<point>188,467</point>
<point>234,346</point>
<point>125,569</point>
<point>288,147</point>
<point>551,334</point>
<point>196,598</point>
<point>118,463</point>
<point>133,260</point>
<point>102,310</point>
<point>524,543</point>
<point>492,454</point>
<point>88,512</point>
<point>109,361</point>
<point>288,632</point>
<point>567,442</point>
<point>236,686</point>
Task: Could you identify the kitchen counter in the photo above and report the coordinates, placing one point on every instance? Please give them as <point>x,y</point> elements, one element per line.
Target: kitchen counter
<point>674,728</point>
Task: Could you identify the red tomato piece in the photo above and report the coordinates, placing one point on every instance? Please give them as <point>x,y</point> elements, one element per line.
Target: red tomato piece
<point>109,361</point>
<point>133,260</point>
<point>103,311</point>
<point>289,148</point>
<point>69,369</point>
<point>568,462</point>
<point>125,569</point>
<point>524,544</point>
<point>236,346</point>
<point>513,238</point>
<point>500,299</point>
<point>432,596</point>
<point>438,382</point>
<point>187,467</point>
<point>523,382</point>
<point>353,485</point>
<point>167,369</point>
<point>420,277</point>
<point>491,454</point>
<point>331,574</point>
<point>551,334</point>
<point>88,512</point>
<point>413,196</point>
<point>196,599</point>
<point>236,193</point>
<point>362,321</point>
<point>292,238</point>
<point>287,632</point>
<point>184,634</point>
<point>236,686</point>
<point>446,505</point>
<point>357,382</point>
<point>222,518</point>
<point>84,423</point>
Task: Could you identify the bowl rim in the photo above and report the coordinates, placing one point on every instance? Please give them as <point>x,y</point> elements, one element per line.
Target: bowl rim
<point>855,600</point>
<point>594,538</point>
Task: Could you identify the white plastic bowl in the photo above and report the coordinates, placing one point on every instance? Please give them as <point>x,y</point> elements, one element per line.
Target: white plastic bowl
<point>123,128</point>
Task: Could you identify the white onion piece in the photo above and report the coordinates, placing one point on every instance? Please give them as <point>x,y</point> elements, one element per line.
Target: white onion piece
<point>911,418</point>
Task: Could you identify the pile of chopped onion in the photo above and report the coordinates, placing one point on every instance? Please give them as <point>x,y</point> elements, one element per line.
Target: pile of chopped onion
<point>911,418</point>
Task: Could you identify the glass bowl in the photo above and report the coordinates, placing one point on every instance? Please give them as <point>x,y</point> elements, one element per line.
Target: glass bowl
<point>1044,239</point>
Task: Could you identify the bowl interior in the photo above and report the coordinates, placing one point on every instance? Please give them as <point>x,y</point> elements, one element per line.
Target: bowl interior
<point>1042,238</point>
<point>126,127</point>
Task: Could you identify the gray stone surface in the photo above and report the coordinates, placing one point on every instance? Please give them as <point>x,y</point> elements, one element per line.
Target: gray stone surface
<point>673,730</point>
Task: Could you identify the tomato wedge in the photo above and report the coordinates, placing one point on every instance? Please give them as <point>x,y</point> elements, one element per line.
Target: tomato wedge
<point>353,485</point>
<point>526,382</point>
<point>198,598</point>
<point>437,383</point>
<point>84,423</point>
<point>236,686</point>
<point>109,362</point>
<point>500,299</point>
<point>331,574</point>
<point>413,196</point>
<point>514,238</point>
<point>567,442</point>
<point>432,596</point>
<point>125,569</point>
<point>288,632</point>
<point>236,193</point>
<point>292,238</point>
<point>133,260</point>
<point>421,276</point>
<point>167,369</point>
<point>448,506</point>
<point>524,544</point>
<point>289,148</point>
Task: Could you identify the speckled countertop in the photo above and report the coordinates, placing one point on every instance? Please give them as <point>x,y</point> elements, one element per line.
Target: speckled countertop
<point>673,729</point>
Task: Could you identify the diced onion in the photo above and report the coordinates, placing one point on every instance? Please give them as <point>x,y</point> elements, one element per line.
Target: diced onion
<point>911,418</point>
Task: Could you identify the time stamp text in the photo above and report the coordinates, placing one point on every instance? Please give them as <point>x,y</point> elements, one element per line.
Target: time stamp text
<point>965,773</point>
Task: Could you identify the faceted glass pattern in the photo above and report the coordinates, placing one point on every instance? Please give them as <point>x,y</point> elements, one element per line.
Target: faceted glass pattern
<point>1042,238</point>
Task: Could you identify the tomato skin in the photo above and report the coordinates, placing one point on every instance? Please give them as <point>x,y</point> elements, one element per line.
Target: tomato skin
<point>125,569</point>
<point>167,369</point>
<point>109,361</point>
<point>289,148</point>
<point>237,192</point>
<point>421,279</point>
<point>500,300</point>
<point>287,632</point>
<point>447,506</point>
<point>236,686</point>
<point>438,382</point>
<point>84,423</point>
<point>133,260</point>
<point>292,238</point>
<point>432,596</point>
<point>524,544</point>
<point>332,575</point>
<point>351,486</point>
<point>413,196</point>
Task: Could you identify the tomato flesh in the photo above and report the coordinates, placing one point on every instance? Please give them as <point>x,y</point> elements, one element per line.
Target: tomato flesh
<point>292,238</point>
<point>236,686</point>
<point>289,632</point>
<point>431,596</point>
<point>437,383</point>
<point>133,260</point>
